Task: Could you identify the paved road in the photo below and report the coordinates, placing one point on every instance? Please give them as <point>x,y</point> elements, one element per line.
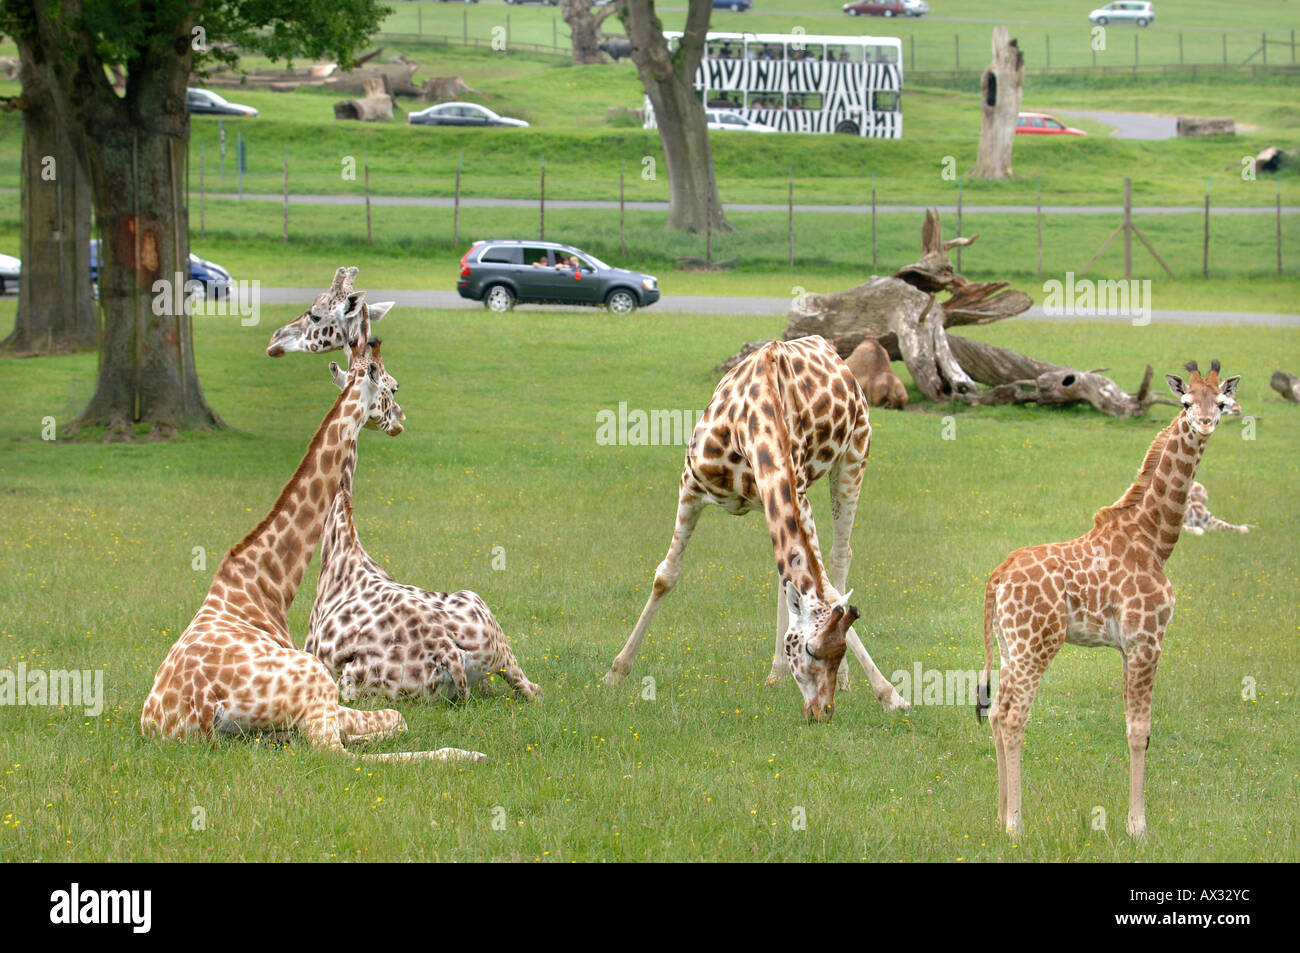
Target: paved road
<point>1130,125</point>
<point>440,202</point>
<point>704,304</point>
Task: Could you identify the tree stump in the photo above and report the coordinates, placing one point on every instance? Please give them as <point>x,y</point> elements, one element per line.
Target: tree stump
<point>376,106</point>
<point>1001,88</point>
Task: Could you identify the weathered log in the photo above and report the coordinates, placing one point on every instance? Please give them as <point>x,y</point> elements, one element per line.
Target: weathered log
<point>375,106</point>
<point>1065,385</point>
<point>1206,126</point>
<point>1288,385</point>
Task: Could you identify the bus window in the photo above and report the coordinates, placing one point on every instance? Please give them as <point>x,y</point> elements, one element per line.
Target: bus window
<point>885,101</point>
<point>766,100</point>
<point>883,54</point>
<point>844,53</point>
<point>773,52</point>
<point>810,51</point>
<point>805,100</point>
<point>716,49</point>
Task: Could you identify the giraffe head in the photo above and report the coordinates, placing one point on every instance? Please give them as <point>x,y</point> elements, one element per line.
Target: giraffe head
<point>319,329</point>
<point>814,646</point>
<point>378,388</point>
<point>1205,399</point>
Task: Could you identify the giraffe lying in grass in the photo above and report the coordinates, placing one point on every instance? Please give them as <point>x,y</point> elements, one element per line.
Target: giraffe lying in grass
<point>378,635</point>
<point>235,669</point>
<point>1108,587</point>
<point>1198,519</point>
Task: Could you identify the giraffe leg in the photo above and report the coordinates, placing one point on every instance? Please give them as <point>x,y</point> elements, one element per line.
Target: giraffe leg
<point>515,677</point>
<point>1002,770</point>
<point>689,507</point>
<point>846,486</point>
<point>1140,659</point>
<point>358,726</point>
<point>780,670</point>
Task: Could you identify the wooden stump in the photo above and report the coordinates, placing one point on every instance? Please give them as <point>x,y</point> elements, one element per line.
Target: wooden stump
<point>1001,90</point>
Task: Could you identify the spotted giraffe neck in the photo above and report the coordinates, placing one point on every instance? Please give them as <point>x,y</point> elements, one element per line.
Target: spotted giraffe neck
<point>1159,512</point>
<point>797,558</point>
<point>275,555</point>
<point>341,551</point>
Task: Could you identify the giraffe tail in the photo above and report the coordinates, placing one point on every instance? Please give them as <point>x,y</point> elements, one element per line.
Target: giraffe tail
<point>984,702</point>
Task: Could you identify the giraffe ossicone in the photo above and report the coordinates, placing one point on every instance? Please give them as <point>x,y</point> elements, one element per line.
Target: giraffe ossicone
<point>1105,588</point>
<point>784,417</point>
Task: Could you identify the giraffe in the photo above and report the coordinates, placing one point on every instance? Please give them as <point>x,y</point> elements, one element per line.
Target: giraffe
<point>235,669</point>
<point>315,331</point>
<point>785,416</point>
<point>1106,588</point>
<point>374,633</point>
<point>1198,519</point>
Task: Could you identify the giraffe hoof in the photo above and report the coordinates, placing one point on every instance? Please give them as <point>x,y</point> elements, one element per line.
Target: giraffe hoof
<point>612,678</point>
<point>896,702</point>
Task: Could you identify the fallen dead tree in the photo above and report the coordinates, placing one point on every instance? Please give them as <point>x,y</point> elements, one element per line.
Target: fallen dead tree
<point>375,106</point>
<point>904,314</point>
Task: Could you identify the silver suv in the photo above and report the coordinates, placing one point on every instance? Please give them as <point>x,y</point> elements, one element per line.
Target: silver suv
<point>1125,11</point>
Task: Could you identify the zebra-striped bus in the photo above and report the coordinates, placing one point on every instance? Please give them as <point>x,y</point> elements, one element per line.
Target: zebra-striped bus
<point>802,83</point>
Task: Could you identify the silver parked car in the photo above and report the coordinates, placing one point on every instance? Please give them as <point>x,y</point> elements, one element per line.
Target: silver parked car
<point>11,270</point>
<point>460,114</point>
<point>1125,11</point>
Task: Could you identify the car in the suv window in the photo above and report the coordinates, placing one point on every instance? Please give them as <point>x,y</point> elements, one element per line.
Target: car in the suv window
<point>501,272</point>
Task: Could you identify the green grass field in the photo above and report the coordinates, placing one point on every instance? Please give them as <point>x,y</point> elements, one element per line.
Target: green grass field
<point>500,451</point>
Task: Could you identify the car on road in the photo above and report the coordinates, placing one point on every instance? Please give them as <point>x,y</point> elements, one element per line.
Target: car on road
<point>1041,124</point>
<point>501,272</point>
<point>875,8</point>
<point>204,102</point>
<point>1125,11</point>
<point>735,6</point>
<point>215,279</point>
<point>461,114</point>
<point>722,119</point>
<point>549,3</point>
<point>11,270</point>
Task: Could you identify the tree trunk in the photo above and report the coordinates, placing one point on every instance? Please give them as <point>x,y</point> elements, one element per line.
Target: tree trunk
<point>584,28</point>
<point>56,308</point>
<point>1001,90</point>
<point>669,82</point>
<point>136,146</point>
<point>1288,385</point>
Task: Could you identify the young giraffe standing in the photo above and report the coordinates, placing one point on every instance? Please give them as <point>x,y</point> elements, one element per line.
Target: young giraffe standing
<point>374,633</point>
<point>1107,587</point>
<point>235,668</point>
<point>785,416</point>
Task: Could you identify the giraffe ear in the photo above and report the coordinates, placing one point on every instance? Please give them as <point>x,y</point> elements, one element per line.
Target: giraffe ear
<point>794,601</point>
<point>1229,387</point>
<point>379,309</point>
<point>1176,384</point>
<point>336,372</point>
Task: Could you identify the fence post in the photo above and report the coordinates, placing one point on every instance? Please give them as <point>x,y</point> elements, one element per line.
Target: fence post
<point>1279,228</point>
<point>507,31</point>
<point>455,214</point>
<point>790,219</point>
<point>370,238</point>
<point>911,55</point>
<point>1205,251</point>
<point>873,223</point>
<point>555,39</point>
<point>464,26</point>
<point>1180,49</point>
<point>622,234</point>
<point>202,196</point>
<point>286,195</point>
<point>541,236</point>
<point>1225,48</point>
<point>239,161</point>
<point>419,21</point>
<point>1293,47</point>
<point>1263,47</point>
<point>1128,228</point>
<point>708,222</point>
<point>1135,53</point>
<point>1040,226</point>
<point>959,221</point>
<point>1048,38</point>
<point>221,143</point>
<point>956,46</point>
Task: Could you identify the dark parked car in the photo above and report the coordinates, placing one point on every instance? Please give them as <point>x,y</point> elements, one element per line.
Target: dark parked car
<point>876,8</point>
<point>460,114</point>
<point>216,280</point>
<point>735,6</point>
<point>502,272</point>
<point>204,102</point>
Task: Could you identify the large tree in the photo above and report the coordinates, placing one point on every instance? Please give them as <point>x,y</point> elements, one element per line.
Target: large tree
<point>56,308</point>
<point>136,147</point>
<point>584,21</point>
<point>669,81</point>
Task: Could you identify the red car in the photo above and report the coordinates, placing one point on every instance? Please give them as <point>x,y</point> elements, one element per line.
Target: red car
<point>1041,124</point>
<point>875,8</point>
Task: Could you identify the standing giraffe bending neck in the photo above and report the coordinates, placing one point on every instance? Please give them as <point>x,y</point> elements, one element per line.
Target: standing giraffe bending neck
<point>235,669</point>
<point>1105,588</point>
<point>783,417</point>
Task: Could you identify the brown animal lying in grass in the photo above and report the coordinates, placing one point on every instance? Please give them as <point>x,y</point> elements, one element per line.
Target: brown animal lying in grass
<point>869,363</point>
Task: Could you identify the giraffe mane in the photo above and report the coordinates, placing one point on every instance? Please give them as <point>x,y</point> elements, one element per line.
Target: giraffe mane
<point>1133,495</point>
